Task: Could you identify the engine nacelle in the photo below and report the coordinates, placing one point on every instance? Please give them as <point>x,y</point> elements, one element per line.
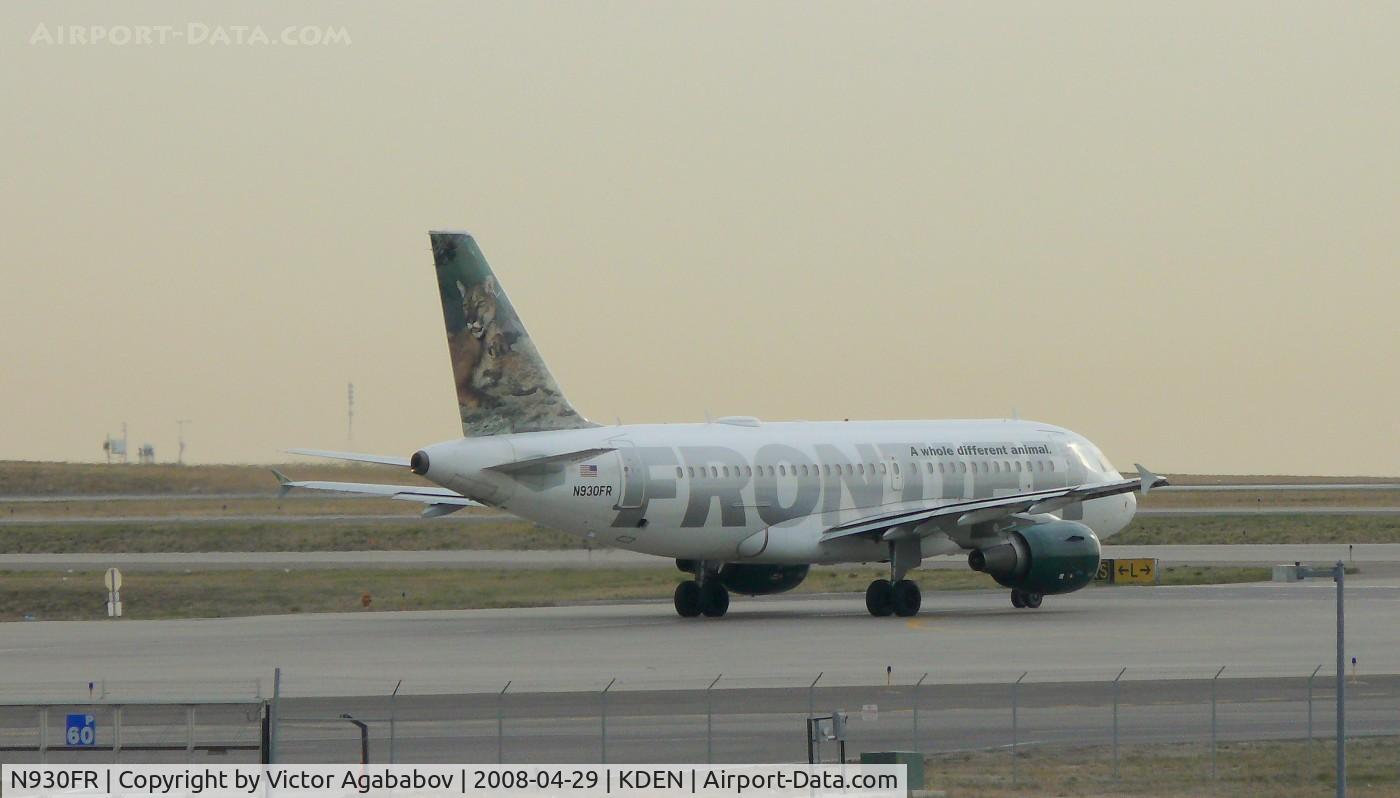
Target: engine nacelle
<point>1050,558</point>
<point>760,580</point>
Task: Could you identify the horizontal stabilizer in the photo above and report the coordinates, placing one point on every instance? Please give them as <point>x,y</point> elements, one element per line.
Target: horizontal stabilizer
<point>548,460</point>
<point>434,497</point>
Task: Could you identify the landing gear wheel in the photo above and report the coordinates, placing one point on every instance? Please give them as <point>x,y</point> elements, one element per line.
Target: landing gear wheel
<point>688,599</point>
<point>905,598</point>
<point>1018,600</point>
<point>714,599</point>
<point>879,598</point>
<point>1032,600</point>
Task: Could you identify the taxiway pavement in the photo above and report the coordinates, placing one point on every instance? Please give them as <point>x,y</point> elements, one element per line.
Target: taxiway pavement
<point>1231,554</point>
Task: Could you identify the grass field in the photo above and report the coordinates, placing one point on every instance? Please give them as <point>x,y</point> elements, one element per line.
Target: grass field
<point>26,478</point>
<point>1214,529</point>
<point>297,504</point>
<point>412,533</point>
<point>80,595</point>
<point>1167,500</point>
<point>1277,769</point>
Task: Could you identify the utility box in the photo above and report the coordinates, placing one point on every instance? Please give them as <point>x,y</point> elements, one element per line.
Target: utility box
<point>1288,573</point>
<point>912,761</point>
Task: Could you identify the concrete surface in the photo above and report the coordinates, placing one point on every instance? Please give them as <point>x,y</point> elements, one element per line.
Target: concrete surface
<point>1364,553</point>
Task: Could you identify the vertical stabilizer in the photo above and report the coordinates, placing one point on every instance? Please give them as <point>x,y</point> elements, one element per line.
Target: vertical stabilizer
<point>503,385</point>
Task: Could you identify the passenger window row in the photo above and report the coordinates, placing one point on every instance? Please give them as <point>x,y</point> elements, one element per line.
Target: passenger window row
<point>860,469</point>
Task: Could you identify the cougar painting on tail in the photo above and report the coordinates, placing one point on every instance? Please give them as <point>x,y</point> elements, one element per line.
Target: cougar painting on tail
<point>503,385</point>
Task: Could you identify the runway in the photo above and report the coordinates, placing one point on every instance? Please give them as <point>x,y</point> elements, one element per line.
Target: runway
<point>1232,554</point>
<point>972,636</point>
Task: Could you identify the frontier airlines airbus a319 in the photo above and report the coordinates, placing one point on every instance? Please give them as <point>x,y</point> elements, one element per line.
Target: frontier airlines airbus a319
<point>748,506</point>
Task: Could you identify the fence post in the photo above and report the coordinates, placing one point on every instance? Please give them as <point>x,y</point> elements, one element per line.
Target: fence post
<point>1309,757</point>
<point>1015,724</point>
<point>1115,721</point>
<point>501,723</point>
<point>116,731</point>
<point>43,735</point>
<point>1340,575</point>
<point>189,733</point>
<point>393,718</point>
<point>1214,679</point>
<point>812,696</point>
<point>272,721</point>
<point>603,735</point>
<point>917,685</point>
<point>709,722</point>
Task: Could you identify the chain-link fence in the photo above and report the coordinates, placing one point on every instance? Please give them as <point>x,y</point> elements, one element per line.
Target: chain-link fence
<point>140,731</point>
<point>1006,723</point>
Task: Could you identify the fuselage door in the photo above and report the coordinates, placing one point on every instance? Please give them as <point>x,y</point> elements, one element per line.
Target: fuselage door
<point>634,483</point>
<point>896,477</point>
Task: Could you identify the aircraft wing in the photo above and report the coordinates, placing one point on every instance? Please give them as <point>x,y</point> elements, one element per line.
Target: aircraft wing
<point>440,501</point>
<point>976,511</point>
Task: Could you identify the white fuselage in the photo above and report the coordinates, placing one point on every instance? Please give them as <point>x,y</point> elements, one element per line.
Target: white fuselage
<point>740,490</point>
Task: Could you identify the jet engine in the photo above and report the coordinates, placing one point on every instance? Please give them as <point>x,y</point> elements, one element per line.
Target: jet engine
<point>1049,558</point>
<point>759,580</point>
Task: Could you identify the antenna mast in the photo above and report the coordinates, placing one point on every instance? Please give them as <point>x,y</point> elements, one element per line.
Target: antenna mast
<point>350,414</point>
<point>180,424</point>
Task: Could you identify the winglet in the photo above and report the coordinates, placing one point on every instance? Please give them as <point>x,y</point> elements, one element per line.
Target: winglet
<point>1147,479</point>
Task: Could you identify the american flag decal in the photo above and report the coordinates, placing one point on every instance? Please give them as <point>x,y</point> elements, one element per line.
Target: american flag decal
<point>588,471</point>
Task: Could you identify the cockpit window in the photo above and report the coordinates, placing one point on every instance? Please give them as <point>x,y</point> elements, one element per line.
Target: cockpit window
<point>1091,457</point>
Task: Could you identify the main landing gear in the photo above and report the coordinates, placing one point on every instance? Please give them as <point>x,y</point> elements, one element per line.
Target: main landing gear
<point>897,595</point>
<point>705,596</point>
<point>900,598</point>
<point>1025,600</point>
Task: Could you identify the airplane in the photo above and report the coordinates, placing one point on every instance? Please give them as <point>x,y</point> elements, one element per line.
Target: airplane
<point>748,506</point>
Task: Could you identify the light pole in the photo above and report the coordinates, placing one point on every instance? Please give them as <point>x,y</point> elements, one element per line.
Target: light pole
<point>364,736</point>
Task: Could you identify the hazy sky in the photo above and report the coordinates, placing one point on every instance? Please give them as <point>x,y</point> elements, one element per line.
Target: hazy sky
<point>1173,227</point>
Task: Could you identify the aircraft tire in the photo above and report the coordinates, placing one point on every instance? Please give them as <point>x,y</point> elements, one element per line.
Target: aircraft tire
<point>687,599</point>
<point>714,599</point>
<point>906,598</point>
<point>1018,600</point>
<point>879,598</point>
<point>1032,600</point>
